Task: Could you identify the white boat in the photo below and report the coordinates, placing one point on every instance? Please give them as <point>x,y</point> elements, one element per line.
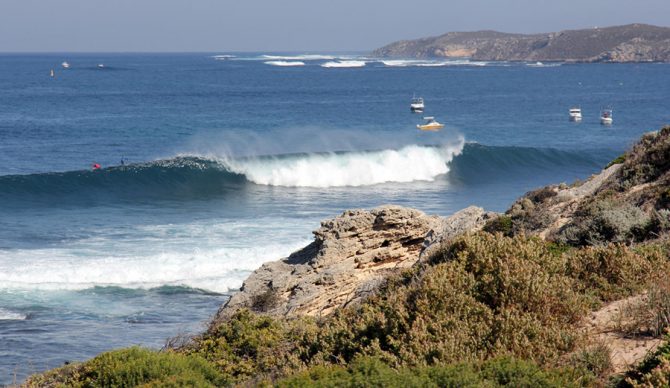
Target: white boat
<point>430,125</point>
<point>101,66</point>
<point>65,65</point>
<point>575,114</point>
<point>417,105</point>
<point>606,116</point>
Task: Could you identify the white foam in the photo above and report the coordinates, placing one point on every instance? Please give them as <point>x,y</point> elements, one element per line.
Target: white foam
<point>408,164</point>
<point>223,57</point>
<point>431,63</point>
<point>6,315</point>
<point>304,57</point>
<point>400,62</point>
<point>344,64</point>
<point>214,257</point>
<point>285,63</point>
<point>540,64</point>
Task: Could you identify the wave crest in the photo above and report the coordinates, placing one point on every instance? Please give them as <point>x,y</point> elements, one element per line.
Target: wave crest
<point>408,164</point>
<point>285,63</point>
<point>343,64</point>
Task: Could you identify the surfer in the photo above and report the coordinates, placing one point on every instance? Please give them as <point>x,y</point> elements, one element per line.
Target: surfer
<point>96,166</point>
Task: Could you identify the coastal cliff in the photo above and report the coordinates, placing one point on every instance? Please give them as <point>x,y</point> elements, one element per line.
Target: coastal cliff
<point>629,43</point>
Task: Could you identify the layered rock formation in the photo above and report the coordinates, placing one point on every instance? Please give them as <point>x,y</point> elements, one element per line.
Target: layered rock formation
<point>629,43</point>
<point>350,256</point>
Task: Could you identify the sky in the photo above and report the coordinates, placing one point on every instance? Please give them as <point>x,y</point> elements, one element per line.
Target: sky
<point>290,25</point>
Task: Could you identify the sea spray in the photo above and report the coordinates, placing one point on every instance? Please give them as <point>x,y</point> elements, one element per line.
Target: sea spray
<point>407,164</point>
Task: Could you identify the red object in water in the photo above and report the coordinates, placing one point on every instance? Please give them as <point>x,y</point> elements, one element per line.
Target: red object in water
<point>96,166</point>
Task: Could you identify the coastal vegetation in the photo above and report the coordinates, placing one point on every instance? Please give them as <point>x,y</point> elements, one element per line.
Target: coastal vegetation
<point>503,306</point>
<point>484,304</point>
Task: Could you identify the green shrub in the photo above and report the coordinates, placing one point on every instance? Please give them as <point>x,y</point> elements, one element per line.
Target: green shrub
<point>614,271</point>
<point>648,160</point>
<point>501,224</point>
<point>135,366</point>
<point>596,359</point>
<point>606,220</point>
<point>529,216</point>
<point>618,160</point>
<point>654,371</point>
<point>498,372</point>
<point>250,345</point>
<point>481,296</point>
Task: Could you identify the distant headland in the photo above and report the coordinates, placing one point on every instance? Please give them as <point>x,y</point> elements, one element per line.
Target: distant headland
<point>629,43</point>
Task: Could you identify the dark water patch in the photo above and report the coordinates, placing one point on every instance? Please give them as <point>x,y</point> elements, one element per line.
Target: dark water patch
<point>179,178</point>
<point>480,164</point>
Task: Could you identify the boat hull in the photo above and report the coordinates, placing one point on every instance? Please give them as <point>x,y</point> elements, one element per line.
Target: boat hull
<point>432,128</point>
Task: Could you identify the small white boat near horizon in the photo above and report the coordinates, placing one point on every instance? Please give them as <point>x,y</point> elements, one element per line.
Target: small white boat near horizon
<point>575,114</point>
<point>417,105</point>
<point>430,125</point>
<point>65,65</point>
<point>606,117</point>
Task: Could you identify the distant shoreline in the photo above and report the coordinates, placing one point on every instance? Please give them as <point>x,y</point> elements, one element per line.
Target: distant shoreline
<point>633,43</point>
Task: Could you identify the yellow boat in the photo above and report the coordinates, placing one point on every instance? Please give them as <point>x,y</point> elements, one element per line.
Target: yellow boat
<point>430,125</point>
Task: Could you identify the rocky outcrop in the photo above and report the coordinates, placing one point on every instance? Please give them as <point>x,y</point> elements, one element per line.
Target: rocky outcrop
<point>350,256</point>
<point>629,43</point>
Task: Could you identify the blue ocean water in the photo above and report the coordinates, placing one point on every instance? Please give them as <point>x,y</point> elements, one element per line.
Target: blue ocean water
<point>229,162</point>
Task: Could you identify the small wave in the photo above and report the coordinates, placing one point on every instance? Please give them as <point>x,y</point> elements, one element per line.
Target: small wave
<point>540,64</point>
<point>343,64</point>
<point>304,57</point>
<point>401,62</point>
<point>431,63</point>
<point>6,315</point>
<point>223,57</point>
<point>285,63</point>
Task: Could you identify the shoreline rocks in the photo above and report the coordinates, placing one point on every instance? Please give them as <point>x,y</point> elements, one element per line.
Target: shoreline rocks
<point>350,257</point>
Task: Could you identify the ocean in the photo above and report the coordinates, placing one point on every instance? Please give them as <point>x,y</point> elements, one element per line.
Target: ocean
<point>213,164</point>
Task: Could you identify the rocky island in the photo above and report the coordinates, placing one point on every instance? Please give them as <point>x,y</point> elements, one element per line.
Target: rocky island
<point>569,287</point>
<point>629,43</point>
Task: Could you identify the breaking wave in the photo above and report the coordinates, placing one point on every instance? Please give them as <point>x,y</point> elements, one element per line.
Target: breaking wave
<point>188,177</point>
<point>410,163</point>
<point>305,57</point>
<point>6,315</point>
<point>431,63</point>
<point>344,64</point>
<point>285,63</point>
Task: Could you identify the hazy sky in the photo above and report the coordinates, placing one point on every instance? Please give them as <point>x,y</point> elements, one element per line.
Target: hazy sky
<point>290,25</point>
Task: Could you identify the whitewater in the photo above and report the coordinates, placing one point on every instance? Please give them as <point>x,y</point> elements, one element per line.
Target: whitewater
<point>408,164</point>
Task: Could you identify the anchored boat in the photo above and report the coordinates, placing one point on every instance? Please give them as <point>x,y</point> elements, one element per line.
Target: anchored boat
<point>430,125</point>
<point>417,105</point>
<point>606,116</point>
<point>575,114</point>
